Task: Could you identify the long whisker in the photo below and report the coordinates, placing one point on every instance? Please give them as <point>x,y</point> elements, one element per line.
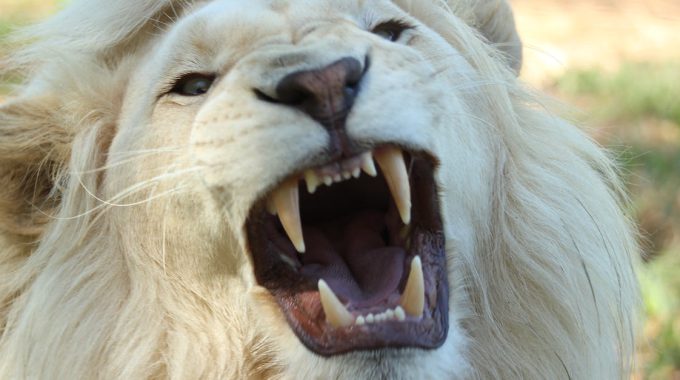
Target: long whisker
<point>133,155</point>
<point>112,202</point>
<point>136,188</point>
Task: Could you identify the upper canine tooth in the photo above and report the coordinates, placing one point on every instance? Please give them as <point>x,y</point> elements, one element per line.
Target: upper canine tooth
<point>312,181</point>
<point>368,165</point>
<point>413,298</point>
<point>286,201</point>
<point>391,161</point>
<point>337,314</point>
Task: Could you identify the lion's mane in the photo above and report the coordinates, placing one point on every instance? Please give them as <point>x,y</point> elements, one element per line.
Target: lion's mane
<point>545,282</point>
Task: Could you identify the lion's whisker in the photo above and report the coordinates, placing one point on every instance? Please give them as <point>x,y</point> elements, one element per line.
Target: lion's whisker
<point>139,187</point>
<point>104,204</point>
<point>134,155</point>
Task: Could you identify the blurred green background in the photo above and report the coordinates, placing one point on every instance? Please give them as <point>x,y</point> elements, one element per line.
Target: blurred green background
<point>618,62</point>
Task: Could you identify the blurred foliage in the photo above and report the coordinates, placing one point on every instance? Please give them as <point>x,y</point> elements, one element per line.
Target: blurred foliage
<point>660,349</point>
<point>636,90</point>
<point>661,166</point>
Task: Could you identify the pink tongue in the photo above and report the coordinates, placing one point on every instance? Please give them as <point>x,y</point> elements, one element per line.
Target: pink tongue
<point>354,259</point>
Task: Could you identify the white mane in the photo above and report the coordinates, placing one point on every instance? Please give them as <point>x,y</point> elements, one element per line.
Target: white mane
<point>546,279</point>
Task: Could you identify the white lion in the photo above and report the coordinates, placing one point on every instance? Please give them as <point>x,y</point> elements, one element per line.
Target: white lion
<point>294,189</point>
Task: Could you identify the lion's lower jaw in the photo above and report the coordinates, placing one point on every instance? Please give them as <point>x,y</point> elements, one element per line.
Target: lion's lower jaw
<point>447,362</point>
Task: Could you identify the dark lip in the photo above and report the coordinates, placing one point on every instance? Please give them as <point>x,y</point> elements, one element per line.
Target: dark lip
<point>295,298</point>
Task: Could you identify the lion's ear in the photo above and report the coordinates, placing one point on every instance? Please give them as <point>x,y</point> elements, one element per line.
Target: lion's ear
<point>33,150</point>
<point>495,20</point>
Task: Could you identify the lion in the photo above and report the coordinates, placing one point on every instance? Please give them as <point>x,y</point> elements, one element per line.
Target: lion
<point>290,189</point>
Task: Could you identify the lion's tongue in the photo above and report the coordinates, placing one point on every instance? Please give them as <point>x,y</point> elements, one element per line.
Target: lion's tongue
<point>353,258</point>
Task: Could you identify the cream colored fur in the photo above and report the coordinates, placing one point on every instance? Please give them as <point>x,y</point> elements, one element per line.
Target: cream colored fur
<point>122,251</point>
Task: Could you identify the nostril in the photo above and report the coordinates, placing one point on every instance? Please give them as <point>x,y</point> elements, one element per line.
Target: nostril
<point>351,91</point>
<point>353,83</point>
<point>264,97</point>
<point>292,94</point>
<point>367,65</point>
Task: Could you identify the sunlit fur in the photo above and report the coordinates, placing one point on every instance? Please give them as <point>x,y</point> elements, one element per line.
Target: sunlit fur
<point>122,251</point>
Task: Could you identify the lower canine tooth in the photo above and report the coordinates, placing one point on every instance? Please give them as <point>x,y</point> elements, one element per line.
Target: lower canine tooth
<point>286,201</point>
<point>413,298</point>
<point>336,313</point>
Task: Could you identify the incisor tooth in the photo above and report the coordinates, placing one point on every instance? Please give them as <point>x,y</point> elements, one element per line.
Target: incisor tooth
<point>368,165</point>
<point>413,298</point>
<point>391,161</point>
<point>312,181</point>
<point>336,313</point>
<point>356,173</point>
<point>286,201</point>
<point>399,313</point>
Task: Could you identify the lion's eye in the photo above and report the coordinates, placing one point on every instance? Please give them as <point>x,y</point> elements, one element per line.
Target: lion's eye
<point>391,30</point>
<point>193,84</point>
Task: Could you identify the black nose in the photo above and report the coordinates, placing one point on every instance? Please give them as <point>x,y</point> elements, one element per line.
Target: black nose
<point>327,94</point>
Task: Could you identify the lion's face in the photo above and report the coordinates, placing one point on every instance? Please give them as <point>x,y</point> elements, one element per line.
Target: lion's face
<point>304,189</point>
<point>314,135</point>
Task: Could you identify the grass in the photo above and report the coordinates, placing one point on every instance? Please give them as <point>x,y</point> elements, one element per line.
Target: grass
<point>661,291</point>
<point>637,90</point>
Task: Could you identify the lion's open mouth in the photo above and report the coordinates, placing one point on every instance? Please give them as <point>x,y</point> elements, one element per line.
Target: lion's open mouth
<point>354,253</point>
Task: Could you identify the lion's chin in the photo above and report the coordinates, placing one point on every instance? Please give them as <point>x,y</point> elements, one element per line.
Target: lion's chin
<point>359,263</point>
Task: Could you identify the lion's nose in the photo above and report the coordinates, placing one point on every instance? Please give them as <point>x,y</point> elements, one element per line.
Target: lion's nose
<point>326,94</point>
